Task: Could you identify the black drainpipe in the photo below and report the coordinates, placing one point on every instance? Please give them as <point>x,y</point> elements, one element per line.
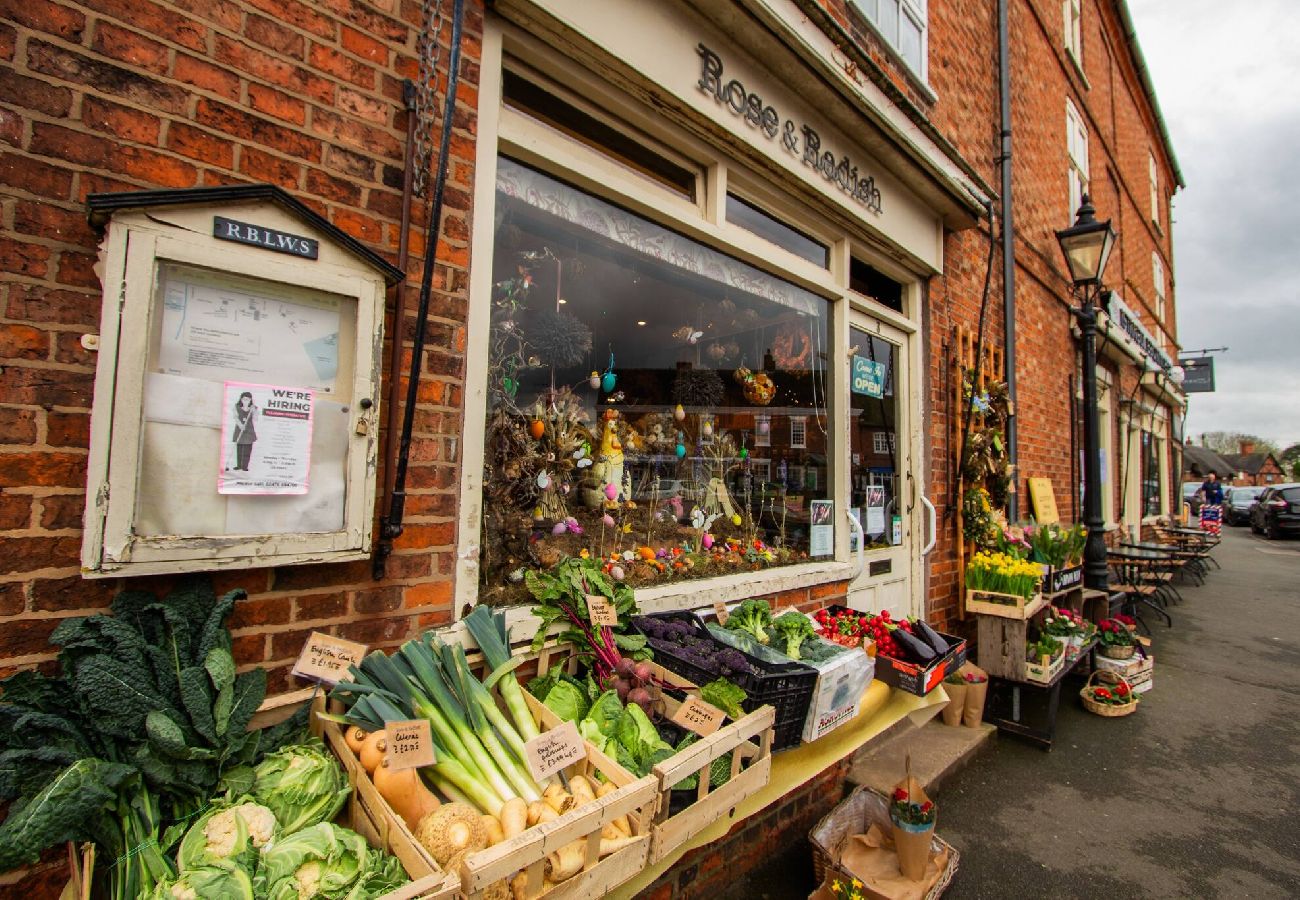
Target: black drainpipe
<point>1008,250</point>
<point>390,526</point>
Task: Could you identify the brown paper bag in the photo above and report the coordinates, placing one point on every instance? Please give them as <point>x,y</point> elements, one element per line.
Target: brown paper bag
<point>872,858</point>
<point>973,714</point>
<point>912,842</point>
<point>952,713</point>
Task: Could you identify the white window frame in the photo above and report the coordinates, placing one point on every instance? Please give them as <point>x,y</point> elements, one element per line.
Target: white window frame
<point>1073,25</point>
<point>137,243</point>
<point>914,10</point>
<point>1158,277</point>
<point>798,432</point>
<point>1076,145</point>
<point>1106,444</point>
<point>1155,189</point>
<point>879,443</point>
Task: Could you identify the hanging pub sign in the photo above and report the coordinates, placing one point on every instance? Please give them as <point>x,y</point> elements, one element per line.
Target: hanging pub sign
<point>799,139</point>
<point>1198,374</point>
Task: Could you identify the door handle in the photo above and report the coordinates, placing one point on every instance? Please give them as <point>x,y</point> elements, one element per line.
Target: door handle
<point>934,525</point>
<point>862,545</point>
<point>911,493</point>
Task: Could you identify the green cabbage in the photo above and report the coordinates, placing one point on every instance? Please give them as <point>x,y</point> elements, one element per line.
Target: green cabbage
<point>227,836</point>
<point>325,861</point>
<point>605,713</point>
<point>207,883</point>
<point>566,701</point>
<point>302,785</point>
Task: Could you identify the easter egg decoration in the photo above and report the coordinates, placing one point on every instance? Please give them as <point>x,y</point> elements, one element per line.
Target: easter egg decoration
<point>681,446</point>
<point>611,491</point>
<point>736,520</point>
<point>744,453</point>
<point>510,386</point>
<point>537,514</point>
<point>537,428</point>
<point>559,528</point>
<point>543,479</point>
<point>609,379</point>
<point>679,413</point>
<point>594,381</point>
<point>616,572</point>
<point>706,428</point>
<point>607,520</point>
<point>707,540</point>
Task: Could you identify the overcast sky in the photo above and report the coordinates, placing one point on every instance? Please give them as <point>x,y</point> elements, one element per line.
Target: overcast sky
<point>1228,80</point>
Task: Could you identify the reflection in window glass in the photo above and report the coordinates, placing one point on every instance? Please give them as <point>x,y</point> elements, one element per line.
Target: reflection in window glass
<point>771,229</point>
<point>643,391</point>
<point>909,41</point>
<point>873,405</point>
<point>1150,475</point>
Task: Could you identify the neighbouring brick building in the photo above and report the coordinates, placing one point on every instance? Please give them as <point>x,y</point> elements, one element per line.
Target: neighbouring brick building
<point>762,188</point>
<point>1251,467</point>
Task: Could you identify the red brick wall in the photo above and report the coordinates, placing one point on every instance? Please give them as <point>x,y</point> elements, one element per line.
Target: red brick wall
<point>110,95</point>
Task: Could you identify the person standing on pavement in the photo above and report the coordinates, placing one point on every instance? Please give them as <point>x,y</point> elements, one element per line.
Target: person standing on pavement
<point>1212,504</point>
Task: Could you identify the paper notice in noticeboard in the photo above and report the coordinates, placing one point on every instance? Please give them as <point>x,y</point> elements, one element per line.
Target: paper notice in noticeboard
<point>265,439</point>
<point>213,331</point>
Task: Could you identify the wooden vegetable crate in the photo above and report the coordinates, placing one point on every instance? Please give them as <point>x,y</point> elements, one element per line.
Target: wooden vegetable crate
<point>749,741</point>
<point>1045,669</point>
<point>1008,606</point>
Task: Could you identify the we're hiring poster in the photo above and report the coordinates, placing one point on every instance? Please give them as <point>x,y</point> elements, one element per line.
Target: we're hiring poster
<point>265,439</point>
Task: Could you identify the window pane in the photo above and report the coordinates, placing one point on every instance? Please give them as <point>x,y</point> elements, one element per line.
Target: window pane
<point>889,20</point>
<point>771,229</point>
<point>1150,475</point>
<point>909,42</point>
<point>873,404</point>
<point>692,354</point>
<point>871,283</point>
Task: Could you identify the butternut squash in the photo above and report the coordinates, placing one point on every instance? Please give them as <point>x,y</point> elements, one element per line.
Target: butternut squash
<point>354,737</point>
<point>405,792</point>
<point>373,749</point>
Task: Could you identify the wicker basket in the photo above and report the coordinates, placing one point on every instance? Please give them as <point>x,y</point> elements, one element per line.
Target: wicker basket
<point>854,815</point>
<point>1117,651</point>
<point>1108,710</point>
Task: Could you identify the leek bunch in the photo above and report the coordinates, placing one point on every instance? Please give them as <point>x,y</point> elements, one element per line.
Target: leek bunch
<point>479,751</point>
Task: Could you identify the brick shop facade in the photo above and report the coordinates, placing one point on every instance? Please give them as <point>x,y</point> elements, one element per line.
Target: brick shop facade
<point>788,190</point>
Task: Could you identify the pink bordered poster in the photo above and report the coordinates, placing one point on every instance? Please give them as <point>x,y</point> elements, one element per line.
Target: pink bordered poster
<point>265,439</point>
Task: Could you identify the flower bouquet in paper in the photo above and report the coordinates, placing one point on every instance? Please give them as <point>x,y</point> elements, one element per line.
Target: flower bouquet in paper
<point>913,814</point>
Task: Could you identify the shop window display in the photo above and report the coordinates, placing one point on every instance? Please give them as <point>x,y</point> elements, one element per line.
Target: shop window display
<point>643,390</point>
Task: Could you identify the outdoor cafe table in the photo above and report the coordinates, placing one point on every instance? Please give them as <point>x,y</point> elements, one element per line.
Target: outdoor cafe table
<point>1133,563</point>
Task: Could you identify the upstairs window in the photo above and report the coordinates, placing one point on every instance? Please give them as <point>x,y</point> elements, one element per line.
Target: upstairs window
<point>1076,134</point>
<point>1158,276</point>
<point>1073,10</point>
<point>902,23</point>
<point>1155,189</point>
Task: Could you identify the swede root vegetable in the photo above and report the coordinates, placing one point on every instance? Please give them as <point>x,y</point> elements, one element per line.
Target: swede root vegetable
<point>450,829</point>
<point>405,792</point>
<point>494,833</point>
<point>514,816</point>
<point>373,749</point>
<point>354,737</point>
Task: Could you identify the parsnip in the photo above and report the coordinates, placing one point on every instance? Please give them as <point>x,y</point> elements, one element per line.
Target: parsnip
<point>605,787</point>
<point>494,833</point>
<point>607,847</point>
<point>534,812</point>
<point>567,861</point>
<point>514,816</point>
<point>581,790</point>
<point>560,802</point>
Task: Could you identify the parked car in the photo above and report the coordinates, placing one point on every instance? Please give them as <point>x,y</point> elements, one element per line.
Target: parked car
<point>1237,503</point>
<point>1191,491</point>
<point>1277,511</point>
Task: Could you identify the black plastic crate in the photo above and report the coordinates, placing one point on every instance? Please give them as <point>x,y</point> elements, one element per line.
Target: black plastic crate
<point>787,687</point>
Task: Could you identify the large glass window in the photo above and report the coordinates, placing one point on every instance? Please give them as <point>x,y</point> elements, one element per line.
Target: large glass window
<point>1151,449</point>
<point>873,442</point>
<point>902,23</point>
<point>652,402</point>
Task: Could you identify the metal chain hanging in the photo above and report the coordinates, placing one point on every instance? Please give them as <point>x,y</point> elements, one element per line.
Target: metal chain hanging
<point>428,46</point>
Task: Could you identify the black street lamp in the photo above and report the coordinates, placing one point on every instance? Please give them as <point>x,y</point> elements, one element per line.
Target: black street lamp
<point>1087,245</point>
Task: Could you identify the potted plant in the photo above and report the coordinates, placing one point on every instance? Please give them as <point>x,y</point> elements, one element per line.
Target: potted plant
<point>1044,658</point>
<point>1109,695</point>
<point>1002,574</point>
<point>1062,625</point>
<point>1060,550</point>
<point>913,815</point>
<point>1117,641</point>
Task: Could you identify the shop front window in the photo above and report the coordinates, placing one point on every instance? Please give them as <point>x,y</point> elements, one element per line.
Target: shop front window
<point>652,403</point>
<point>1150,474</point>
<point>873,441</point>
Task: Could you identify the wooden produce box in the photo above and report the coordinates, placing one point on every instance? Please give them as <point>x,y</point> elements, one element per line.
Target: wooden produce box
<point>369,814</point>
<point>635,798</point>
<point>1002,646</point>
<point>751,764</point>
<point>1008,606</point>
<point>1047,668</point>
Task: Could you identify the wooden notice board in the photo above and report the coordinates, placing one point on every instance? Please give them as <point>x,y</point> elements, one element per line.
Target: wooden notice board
<point>1044,500</point>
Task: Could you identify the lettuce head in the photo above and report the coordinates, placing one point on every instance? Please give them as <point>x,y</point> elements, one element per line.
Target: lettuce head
<point>302,785</point>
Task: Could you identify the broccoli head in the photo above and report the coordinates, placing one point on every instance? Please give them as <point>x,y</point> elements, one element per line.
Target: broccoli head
<point>793,628</point>
<point>754,616</point>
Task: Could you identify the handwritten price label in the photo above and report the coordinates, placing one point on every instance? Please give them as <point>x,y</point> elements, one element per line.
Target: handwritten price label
<point>410,745</point>
<point>601,611</point>
<point>720,610</point>
<point>326,658</point>
<point>554,750</point>
<point>696,715</point>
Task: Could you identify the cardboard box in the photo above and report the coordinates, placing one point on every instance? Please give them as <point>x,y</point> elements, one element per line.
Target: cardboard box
<point>917,679</point>
<point>841,682</point>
